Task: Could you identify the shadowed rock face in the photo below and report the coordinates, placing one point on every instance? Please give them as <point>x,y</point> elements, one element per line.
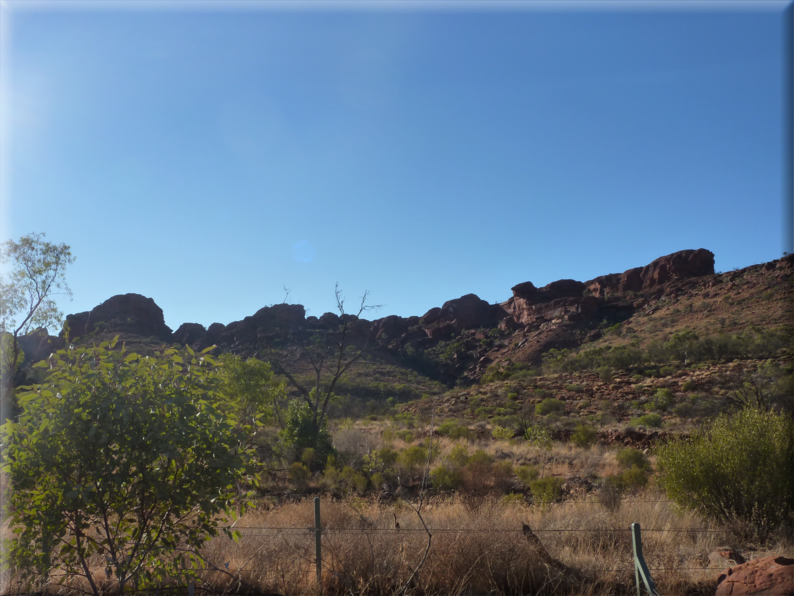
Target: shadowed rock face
<point>125,313</point>
<point>679,265</point>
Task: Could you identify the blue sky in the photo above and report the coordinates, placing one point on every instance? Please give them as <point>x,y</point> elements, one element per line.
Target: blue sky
<point>208,157</point>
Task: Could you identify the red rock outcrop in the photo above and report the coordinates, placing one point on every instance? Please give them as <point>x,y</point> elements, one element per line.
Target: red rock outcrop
<point>770,576</point>
<point>124,313</point>
<point>679,265</point>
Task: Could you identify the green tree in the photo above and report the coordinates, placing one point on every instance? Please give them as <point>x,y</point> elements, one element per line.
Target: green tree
<point>35,274</point>
<point>250,387</point>
<point>739,469</point>
<point>127,459</point>
<point>301,432</point>
<point>682,345</point>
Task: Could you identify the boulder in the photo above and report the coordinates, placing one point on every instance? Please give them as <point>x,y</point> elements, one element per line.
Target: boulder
<point>769,576</point>
<point>189,333</point>
<point>38,344</point>
<point>124,313</point>
<point>469,312</point>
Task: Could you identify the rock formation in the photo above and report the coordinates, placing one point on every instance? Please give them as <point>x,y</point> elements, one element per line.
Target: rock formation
<point>769,576</point>
<point>126,313</point>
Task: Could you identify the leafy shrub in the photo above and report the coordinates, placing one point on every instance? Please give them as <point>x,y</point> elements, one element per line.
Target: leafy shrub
<point>684,410</point>
<point>739,469</point>
<point>405,435</point>
<point>661,401</point>
<point>499,432</point>
<point>689,385</point>
<point>546,490</point>
<point>584,436</point>
<point>299,475</point>
<point>301,432</point>
<point>666,371</point>
<point>538,436</point>
<point>632,458</point>
<point>652,420</point>
<point>446,477</point>
<point>453,430</point>
<point>512,500</point>
<point>527,474</point>
<point>605,373</point>
<point>549,406</point>
<point>512,396</point>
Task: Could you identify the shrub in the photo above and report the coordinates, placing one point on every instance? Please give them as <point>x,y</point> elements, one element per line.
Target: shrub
<point>512,500</point>
<point>605,373</point>
<point>652,420</point>
<point>446,477</point>
<point>499,432</point>
<point>689,385</point>
<point>575,387</point>
<point>549,406</point>
<point>527,474</point>
<point>132,454</point>
<point>584,436</point>
<point>632,458</point>
<point>546,490</point>
<point>739,469</point>
<point>661,401</point>
<point>538,436</point>
<point>299,475</point>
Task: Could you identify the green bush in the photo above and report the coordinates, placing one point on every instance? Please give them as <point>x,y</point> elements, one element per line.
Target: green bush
<point>661,401</point>
<point>549,406</point>
<point>632,458</point>
<point>446,477</point>
<point>652,420</point>
<point>546,490</point>
<point>584,436</point>
<point>538,436</point>
<point>499,432</point>
<point>527,474</point>
<point>299,475</point>
<point>739,469</point>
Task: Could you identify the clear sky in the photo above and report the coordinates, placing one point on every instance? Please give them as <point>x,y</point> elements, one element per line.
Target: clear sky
<point>208,157</point>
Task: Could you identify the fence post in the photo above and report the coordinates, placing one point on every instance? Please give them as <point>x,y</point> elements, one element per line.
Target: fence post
<point>318,545</point>
<point>641,571</point>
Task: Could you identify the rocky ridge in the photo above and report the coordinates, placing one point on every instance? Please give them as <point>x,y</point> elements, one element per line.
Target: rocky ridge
<point>562,314</point>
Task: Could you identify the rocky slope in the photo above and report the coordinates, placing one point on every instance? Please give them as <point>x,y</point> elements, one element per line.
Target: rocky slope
<point>458,341</point>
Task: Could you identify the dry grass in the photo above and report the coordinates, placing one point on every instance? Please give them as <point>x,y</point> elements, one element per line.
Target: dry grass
<point>486,551</point>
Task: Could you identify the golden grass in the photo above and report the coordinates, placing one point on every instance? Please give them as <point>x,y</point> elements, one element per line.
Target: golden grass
<point>477,548</point>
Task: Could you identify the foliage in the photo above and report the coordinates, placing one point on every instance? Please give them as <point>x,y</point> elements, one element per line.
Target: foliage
<point>446,477</point>
<point>549,406</point>
<point>538,436</point>
<point>652,420</point>
<point>130,459</point>
<point>37,273</point>
<point>584,436</point>
<point>301,432</point>
<point>632,458</point>
<point>299,475</point>
<point>661,401</point>
<point>251,388</point>
<point>546,490</point>
<point>739,469</point>
<point>527,474</point>
<point>499,432</point>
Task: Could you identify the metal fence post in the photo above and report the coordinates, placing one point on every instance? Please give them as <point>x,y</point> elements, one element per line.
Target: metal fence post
<point>641,572</point>
<point>318,545</point>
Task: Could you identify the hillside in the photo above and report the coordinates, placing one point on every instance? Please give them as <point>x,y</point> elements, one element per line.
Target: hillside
<point>467,342</point>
